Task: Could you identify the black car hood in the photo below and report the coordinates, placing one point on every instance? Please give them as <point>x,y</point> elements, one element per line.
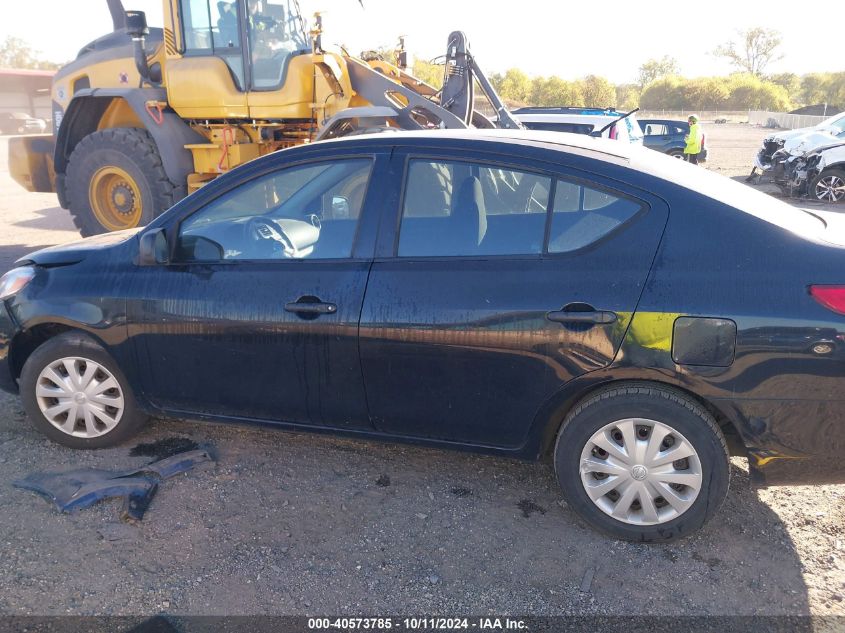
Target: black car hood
<point>76,251</point>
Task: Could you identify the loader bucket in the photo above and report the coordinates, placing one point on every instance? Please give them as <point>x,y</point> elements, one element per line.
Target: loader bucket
<point>31,162</point>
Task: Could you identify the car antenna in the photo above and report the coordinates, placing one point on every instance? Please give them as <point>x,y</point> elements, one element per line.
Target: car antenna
<point>614,122</point>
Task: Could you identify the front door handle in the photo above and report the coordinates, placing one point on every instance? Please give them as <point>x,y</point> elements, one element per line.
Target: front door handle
<point>598,317</point>
<point>310,307</point>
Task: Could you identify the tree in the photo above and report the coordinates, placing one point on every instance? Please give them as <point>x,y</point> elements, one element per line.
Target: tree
<point>432,74</point>
<point>664,94</point>
<point>598,92</point>
<point>709,93</point>
<point>16,53</point>
<point>756,49</point>
<point>656,69</point>
<point>790,81</point>
<point>555,91</point>
<point>515,86</point>
<point>627,96</point>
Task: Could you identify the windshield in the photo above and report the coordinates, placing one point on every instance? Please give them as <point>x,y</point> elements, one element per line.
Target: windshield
<point>837,121</point>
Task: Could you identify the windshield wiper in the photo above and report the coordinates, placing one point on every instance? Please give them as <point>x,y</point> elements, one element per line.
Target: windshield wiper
<point>614,122</point>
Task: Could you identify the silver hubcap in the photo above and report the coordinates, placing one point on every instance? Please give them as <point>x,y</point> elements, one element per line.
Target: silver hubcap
<point>79,397</point>
<point>640,472</point>
<point>830,189</point>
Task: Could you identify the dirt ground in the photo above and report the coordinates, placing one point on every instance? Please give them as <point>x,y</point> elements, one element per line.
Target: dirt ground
<point>288,523</point>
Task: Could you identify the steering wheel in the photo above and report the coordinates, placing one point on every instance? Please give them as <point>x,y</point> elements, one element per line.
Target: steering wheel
<point>268,237</point>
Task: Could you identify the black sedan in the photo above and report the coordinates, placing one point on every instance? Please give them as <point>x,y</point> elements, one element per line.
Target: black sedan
<point>630,317</point>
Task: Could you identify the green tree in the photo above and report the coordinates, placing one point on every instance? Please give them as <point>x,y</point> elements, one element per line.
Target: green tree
<point>598,92</point>
<point>664,94</point>
<point>515,86</point>
<point>656,69</point>
<point>749,92</point>
<point>432,74</point>
<point>709,93</point>
<point>627,96</point>
<point>555,91</point>
<point>814,88</point>
<point>757,48</point>
<point>790,82</point>
<point>16,53</point>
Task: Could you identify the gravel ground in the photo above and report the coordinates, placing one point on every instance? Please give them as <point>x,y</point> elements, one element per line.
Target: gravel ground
<point>288,523</point>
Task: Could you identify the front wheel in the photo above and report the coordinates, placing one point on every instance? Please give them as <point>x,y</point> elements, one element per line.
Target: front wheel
<point>75,394</point>
<point>829,186</point>
<point>642,463</point>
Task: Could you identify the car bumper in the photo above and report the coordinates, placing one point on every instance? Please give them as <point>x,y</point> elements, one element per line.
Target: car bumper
<point>794,441</point>
<point>7,330</point>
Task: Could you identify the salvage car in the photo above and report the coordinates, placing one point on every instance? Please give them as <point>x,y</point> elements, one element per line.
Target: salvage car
<point>792,140</point>
<point>534,295</point>
<point>818,173</point>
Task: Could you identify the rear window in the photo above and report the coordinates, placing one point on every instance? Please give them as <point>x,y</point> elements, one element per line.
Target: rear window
<point>582,215</point>
<point>453,208</point>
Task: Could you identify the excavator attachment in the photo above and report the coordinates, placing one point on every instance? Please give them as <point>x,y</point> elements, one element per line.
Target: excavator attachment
<point>397,102</point>
<point>31,162</point>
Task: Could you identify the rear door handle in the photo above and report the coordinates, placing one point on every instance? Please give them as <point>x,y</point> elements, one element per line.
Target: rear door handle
<point>307,307</point>
<point>600,317</point>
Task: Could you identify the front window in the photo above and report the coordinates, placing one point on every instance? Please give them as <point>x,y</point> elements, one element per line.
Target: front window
<point>276,31</point>
<point>306,212</point>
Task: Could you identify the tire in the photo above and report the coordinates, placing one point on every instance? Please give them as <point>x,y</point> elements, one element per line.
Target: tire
<point>679,154</point>
<point>828,186</point>
<point>655,408</point>
<point>116,180</point>
<point>83,353</point>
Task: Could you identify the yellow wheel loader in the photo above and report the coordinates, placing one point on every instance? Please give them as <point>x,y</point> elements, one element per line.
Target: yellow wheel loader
<point>144,116</point>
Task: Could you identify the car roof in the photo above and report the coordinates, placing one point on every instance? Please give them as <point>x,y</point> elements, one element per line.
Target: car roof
<point>581,144</point>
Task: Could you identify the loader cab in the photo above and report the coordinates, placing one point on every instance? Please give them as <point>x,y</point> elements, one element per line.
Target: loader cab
<point>229,49</point>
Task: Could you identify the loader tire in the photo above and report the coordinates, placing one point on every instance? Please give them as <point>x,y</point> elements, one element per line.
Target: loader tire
<point>116,180</point>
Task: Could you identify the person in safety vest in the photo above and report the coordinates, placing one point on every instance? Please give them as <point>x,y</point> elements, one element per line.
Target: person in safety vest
<point>694,140</point>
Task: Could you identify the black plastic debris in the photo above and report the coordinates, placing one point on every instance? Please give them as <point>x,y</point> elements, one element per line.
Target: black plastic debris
<point>77,489</point>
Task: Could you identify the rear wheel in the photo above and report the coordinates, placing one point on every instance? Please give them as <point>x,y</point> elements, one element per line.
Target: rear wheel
<point>75,394</point>
<point>116,181</point>
<point>642,463</point>
<point>829,186</point>
<point>676,153</point>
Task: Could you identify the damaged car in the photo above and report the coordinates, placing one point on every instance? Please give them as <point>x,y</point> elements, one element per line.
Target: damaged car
<point>593,304</point>
<point>792,141</point>
<point>818,174</point>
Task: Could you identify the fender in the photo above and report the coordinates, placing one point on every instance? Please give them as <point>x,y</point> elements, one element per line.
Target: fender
<point>87,108</point>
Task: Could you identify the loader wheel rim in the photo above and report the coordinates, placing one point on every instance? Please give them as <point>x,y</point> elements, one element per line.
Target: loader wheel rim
<point>115,199</point>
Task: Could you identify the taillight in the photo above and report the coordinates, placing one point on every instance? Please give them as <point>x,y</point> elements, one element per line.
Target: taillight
<point>831,297</point>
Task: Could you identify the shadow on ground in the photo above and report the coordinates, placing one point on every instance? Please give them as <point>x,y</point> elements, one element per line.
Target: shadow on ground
<point>297,523</point>
<point>51,218</point>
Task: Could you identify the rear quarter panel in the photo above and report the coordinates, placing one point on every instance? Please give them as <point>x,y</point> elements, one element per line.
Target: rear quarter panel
<point>786,400</point>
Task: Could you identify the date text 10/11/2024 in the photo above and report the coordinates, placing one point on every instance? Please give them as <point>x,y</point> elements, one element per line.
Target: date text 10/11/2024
<point>417,623</point>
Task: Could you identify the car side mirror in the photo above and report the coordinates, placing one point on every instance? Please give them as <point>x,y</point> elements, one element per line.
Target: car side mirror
<point>152,248</point>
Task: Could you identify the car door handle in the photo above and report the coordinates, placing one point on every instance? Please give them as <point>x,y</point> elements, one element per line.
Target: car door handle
<point>602,317</point>
<point>310,307</point>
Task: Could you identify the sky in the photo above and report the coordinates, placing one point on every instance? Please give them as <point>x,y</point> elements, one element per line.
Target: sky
<point>552,37</point>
